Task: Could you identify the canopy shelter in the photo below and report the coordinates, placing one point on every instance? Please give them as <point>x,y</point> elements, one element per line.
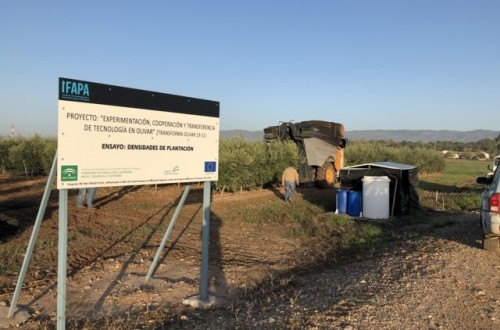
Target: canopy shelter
<point>403,187</point>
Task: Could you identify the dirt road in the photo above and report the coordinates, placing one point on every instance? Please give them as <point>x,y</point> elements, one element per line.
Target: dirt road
<point>442,280</point>
<point>431,279</point>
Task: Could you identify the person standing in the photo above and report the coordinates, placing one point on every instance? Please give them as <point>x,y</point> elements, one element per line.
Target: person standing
<point>290,179</point>
<point>90,192</point>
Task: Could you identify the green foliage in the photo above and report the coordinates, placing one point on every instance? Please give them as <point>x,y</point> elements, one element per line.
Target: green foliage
<point>363,234</point>
<point>33,155</point>
<point>466,201</point>
<point>304,219</point>
<point>272,211</point>
<point>497,140</point>
<point>491,146</point>
<point>26,155</point>
<point>361,152</point>
<point>234,164</point>
<point>459,172</point>
<point>455,188</point>
<point>340,230</point>
<point>245,164</point>
<point>280,154</point>
<point>47,154</point>
<point>5,145</point>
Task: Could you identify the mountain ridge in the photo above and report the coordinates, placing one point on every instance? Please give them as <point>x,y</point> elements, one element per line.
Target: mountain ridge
<point>394,135</point>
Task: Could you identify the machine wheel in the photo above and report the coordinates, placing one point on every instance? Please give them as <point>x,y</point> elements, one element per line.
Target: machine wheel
<point>329,174</point>
<point>325,176</point>
<point>490,244</point>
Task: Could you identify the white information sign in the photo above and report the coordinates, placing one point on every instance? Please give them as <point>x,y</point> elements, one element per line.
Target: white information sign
<point>116,136</point>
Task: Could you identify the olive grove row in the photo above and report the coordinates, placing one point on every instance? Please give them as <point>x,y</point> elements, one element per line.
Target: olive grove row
<point>243,164</point>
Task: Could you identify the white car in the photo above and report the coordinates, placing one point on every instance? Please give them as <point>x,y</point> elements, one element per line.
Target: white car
<point>490,210</point>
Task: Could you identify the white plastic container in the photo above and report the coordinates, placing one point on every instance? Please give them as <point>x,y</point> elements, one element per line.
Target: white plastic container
<point>376,197</point>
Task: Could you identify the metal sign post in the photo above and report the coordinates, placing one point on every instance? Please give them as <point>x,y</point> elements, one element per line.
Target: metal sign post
<point>205,242</point>
<point>62,259</point>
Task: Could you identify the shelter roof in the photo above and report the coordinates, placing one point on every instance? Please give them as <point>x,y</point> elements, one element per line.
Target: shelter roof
<point>391,165</point>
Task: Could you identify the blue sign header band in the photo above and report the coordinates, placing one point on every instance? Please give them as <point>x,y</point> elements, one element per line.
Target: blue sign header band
<point>90,92</point>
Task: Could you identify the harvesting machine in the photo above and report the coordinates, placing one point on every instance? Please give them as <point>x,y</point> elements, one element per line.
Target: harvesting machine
<point>321,142</point>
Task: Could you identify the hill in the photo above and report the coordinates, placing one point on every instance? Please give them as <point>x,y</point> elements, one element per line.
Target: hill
<point>395,135</point>
<point>423,135</point>
<point>249,135</point>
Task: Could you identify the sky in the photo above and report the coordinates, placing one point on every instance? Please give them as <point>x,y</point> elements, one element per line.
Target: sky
<point>368,64</point>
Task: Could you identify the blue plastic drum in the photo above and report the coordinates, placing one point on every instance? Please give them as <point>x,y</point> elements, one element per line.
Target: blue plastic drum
<point>354,203</point>
<point>341,201</point>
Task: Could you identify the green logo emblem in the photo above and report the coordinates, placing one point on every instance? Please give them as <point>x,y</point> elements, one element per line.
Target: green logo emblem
<point>69,172</point>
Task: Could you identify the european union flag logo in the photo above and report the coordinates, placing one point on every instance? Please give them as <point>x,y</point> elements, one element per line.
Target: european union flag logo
<point>210,166</point>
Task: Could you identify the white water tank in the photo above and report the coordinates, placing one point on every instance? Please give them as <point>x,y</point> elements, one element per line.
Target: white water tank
<point>376,197</point>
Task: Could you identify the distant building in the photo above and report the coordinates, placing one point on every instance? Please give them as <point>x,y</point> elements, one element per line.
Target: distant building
<point>450,154</point>
<point>483,155</point>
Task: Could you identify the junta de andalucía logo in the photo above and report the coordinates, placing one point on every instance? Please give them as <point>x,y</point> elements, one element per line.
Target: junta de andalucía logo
<point>69,172</point>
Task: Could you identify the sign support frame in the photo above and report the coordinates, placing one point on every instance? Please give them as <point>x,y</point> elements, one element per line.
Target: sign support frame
<point>34,236</point>
<point>167,233</point>
<point>203,298</point>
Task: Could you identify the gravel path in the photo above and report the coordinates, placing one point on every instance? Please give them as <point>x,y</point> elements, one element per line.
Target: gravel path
<point>441,280</point>
<point>444,281</point>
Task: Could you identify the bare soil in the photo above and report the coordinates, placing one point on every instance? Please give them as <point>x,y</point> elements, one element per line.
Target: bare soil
<point>436,278</point>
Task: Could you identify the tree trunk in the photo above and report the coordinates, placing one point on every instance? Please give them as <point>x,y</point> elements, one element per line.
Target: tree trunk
<point>25,169</point>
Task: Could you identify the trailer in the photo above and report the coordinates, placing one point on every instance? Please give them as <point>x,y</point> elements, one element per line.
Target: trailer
<point>321,142</point>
